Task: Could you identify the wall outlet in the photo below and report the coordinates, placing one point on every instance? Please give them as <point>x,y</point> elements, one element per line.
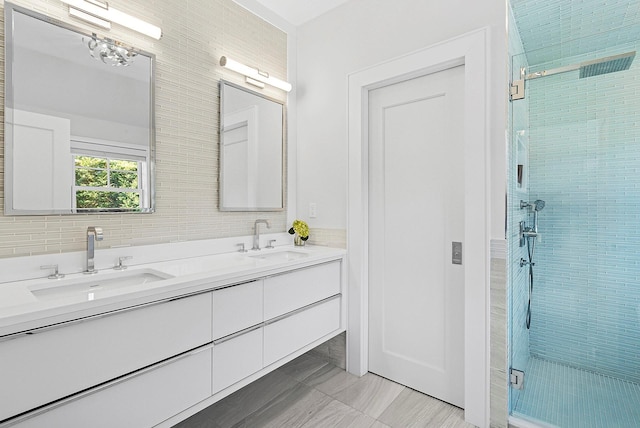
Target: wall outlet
<point>313,210</point>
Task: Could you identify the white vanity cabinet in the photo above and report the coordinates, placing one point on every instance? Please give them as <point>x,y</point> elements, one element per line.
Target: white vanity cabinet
<point>259,323</point>
<point>144,400</point>
<point>237,327</point>
<point>293,290</point>
<point>157,363</point>
<point>300,307</point>
<point>48,364</point>
<point>237,307</point>
<point>293,331</point>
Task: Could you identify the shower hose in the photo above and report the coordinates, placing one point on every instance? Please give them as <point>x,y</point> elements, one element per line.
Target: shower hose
<point>530,249</point>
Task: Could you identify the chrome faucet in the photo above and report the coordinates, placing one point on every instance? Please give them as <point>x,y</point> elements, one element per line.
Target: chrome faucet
<point>93,234</point>
<point>256,235</point>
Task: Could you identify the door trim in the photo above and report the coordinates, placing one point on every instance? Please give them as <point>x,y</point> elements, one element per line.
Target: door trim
<point>471,50</point>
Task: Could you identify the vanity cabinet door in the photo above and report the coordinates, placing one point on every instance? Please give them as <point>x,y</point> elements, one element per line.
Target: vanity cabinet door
<point>237,307</point>
<point>237,358</point>
<point>142,401</point>
<point>290,291</point>
<point>292,332</point>
<point>47,365</point>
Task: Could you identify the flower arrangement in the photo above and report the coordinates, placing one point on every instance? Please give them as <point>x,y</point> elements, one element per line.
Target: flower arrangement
<point>301,231</point>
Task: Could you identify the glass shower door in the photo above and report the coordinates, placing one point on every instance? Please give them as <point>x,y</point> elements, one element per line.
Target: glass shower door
<point>575,144</point>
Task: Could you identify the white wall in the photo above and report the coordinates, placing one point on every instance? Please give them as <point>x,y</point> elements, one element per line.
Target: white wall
<point>363,33</point>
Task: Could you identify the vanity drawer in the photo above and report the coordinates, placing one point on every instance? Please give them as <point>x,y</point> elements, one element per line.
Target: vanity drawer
<point>236,358</point>
<point>290,291</point>
<point>236,308</point>
<point>53,363</point>
<point>141,401</point>
<point>299,329</point>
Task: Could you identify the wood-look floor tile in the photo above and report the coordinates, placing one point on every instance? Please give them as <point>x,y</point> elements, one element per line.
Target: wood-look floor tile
<point>237,406</point>
<point>371,394</point>
<point>325,396</point>
<point>303,366</point>
<point>378,424</point>
<point>199,420</point>
<point>412,409</point>
<point>330,380</point>
<point>456,420</point>
<point>291,409</point>
<point>339,415</point>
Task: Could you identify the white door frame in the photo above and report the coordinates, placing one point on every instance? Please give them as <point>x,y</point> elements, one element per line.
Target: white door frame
<point>471,50</point>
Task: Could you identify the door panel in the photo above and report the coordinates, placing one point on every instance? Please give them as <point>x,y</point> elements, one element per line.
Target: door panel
<point>416,211</point>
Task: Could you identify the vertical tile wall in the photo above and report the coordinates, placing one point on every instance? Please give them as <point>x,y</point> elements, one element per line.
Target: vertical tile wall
<point>585,163</point>
<point>498,372</point>
<point>195,35</point>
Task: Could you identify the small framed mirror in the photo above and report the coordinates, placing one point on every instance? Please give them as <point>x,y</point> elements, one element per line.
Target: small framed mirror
<point>79,120</point>
<point>251,150</point>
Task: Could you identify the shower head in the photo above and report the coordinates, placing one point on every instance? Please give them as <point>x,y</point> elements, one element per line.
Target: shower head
<point>606,65</point>
<point>538,205</point>
<point>594,67</point>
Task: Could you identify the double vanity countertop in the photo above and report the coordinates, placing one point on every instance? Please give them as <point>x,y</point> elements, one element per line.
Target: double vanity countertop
<point>35,303</point>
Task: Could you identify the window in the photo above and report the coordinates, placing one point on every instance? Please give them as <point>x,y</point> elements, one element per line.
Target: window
<point>104,182</point>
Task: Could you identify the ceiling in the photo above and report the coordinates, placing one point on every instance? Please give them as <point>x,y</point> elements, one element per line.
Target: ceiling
<point>298,12</point>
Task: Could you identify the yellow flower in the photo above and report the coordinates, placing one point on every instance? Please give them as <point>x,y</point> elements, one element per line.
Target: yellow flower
<point>301,228</point>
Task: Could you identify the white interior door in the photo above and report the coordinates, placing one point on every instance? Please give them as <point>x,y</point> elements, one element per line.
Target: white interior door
<point>416,211</point>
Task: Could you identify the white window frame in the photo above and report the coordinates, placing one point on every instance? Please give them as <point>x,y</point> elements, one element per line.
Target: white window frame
<point>110,151</point>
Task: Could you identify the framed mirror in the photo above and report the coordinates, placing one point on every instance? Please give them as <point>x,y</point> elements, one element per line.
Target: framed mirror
<point>79,120</point>
<point>251,150</point>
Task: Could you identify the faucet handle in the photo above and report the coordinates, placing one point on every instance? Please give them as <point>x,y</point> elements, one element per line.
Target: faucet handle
<point>56,274</point>
<point>242,250</point>
<point>270,243</point>
<point>120,266</point>
<point>97,231</point>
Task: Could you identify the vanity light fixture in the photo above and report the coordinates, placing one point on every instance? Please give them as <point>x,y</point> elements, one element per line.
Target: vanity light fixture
<point>253,75</point>
<point>99,13</point>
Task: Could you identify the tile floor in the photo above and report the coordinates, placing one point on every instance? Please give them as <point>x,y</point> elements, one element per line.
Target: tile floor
<point>310,392</point>
<point>567,397</point>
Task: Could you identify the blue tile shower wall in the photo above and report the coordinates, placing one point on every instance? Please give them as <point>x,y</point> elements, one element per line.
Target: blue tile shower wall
<point>584,155</point>
<point>517,281</point>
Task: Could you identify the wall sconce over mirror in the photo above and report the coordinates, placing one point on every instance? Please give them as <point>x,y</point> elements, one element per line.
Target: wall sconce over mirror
<point>98,12</point>
<point>79,132</point>
<point>254,76</point>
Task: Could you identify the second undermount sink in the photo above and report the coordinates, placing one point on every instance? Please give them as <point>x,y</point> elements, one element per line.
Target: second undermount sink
<point>93,287</point>
<point>282,256</point>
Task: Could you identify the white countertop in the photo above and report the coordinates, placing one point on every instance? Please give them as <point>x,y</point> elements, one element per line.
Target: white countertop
<point>34,303</point>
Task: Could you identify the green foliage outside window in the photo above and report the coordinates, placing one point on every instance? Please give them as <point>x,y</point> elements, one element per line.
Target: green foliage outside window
<point>98,181</point>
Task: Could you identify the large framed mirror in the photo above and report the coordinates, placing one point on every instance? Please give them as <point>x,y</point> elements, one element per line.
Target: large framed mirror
<point>79,120</point>
<point>251,150</point>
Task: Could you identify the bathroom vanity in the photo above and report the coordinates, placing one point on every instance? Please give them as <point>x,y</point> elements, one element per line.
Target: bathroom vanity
<point>153,344</point>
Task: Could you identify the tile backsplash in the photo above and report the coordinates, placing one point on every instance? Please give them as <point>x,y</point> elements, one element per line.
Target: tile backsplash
<point>195,35</point>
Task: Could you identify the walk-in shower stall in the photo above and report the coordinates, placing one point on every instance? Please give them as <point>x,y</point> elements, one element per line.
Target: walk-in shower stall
<point>573,215</point>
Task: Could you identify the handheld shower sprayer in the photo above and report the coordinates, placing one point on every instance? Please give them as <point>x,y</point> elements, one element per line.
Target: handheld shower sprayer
<point>538,205</point>
<point>535,207</point>
<point>525,234</point>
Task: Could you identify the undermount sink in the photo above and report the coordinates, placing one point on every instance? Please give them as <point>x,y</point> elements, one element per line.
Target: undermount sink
<point>93,287</point>
<point>283,256</point>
